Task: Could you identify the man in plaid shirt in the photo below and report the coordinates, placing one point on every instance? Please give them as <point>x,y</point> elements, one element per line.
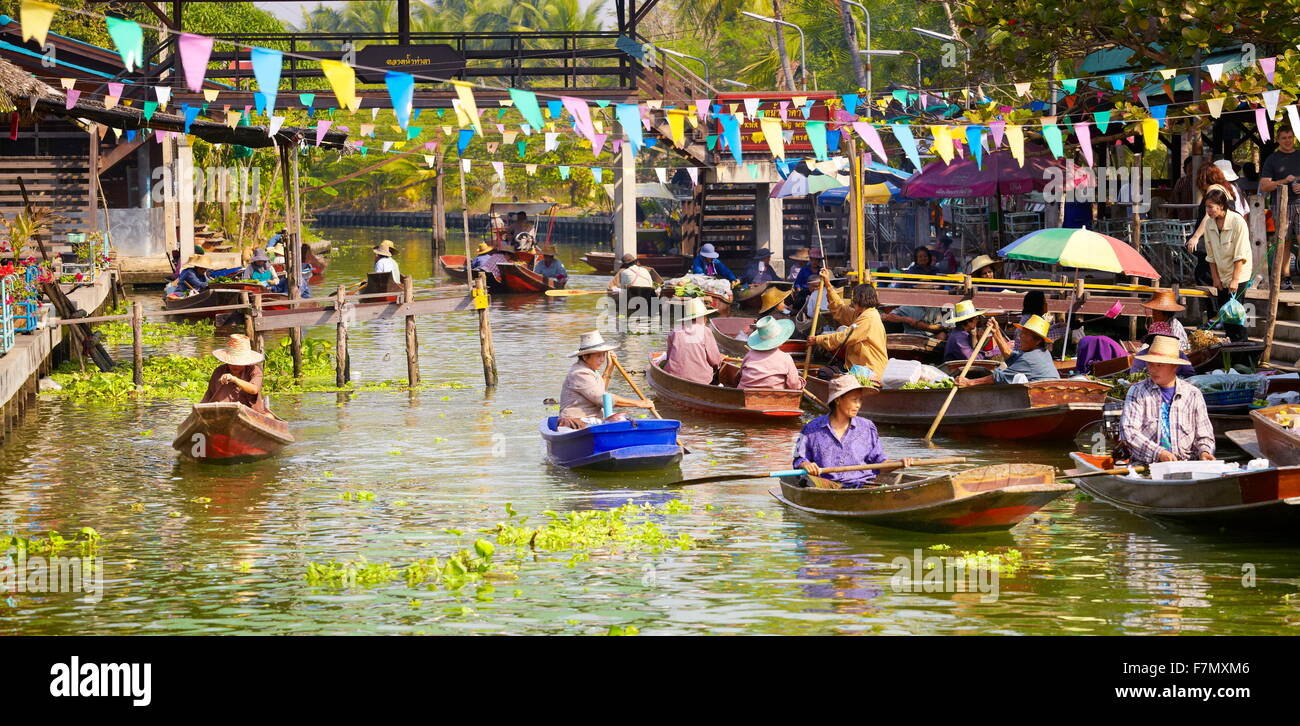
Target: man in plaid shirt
<point>1164,417</point>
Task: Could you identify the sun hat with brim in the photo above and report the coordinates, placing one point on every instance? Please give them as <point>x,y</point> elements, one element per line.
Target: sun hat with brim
<point>388,245</point>
<point>202,261</point>
<point>770,333</point>
<point>800,255</point>
<point>238,352</point>
<point>484,248</point>
<point>695,308</point>
<point>260,256</point>
<point>547,251</point>
<point>964,310</point>
<point>592,342</point>
<point>772,297</point>
<point>707,250</point>
<point>1036,325</point>
<point>1163,299</point>
<point>762,254</point>
<point>628,258</point>
<point>981,262</point>
<point>1225,166</point>
<point>841,385</point>
<point>382,252</point>
<point>1164,349</point>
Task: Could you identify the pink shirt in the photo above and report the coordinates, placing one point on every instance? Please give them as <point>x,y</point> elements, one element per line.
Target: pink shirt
<point>693,353</point>
<point>769,369</point>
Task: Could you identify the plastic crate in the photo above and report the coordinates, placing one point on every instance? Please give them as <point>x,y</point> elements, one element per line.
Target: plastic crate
<point>1236,397</point>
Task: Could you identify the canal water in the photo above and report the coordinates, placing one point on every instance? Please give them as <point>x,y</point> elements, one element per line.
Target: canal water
<point>189,549</point>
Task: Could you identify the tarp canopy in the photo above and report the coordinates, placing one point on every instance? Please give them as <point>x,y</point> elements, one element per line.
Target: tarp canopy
<point>532,209</point>
<point>871,194</point>
<point>646,190</point>
<point>1001,174</point>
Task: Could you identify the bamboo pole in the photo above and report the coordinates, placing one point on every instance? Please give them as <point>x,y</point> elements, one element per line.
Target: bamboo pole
<point>988,329</point>
<point>1275,274</point>
<point>137,343</point>
<point>486,351</point>
<point>259,341</point>
<point>250,327</point>
<point>292,246</point>
<point>412,345</point>
<point>439,210</point>
<point>342,361</point>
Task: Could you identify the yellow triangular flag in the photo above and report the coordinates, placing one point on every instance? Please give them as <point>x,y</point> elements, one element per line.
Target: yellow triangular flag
<point>531,169</point>
<point>36,17</point>
<point>110,102</point>
<point>210,94</point>
<point>1215,105</point>
<point>343,80</point>
<point>798,101</point>
<point>1016,140</point>
<point>677,127</point>
<point>772,133</point>
<point>1022,89</point>
<point>67,83</point>
<point>599,126</point>
<point>232,118</point>
<point>462,120</point>
<point>1167,73</point>
<point>654,104</point>
<point>1150,134</point>
<point>942,143</point>
<point>465,92</point>
<point>428,160</point>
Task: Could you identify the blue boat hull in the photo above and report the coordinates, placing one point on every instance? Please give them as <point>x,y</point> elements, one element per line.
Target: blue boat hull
<point>634,445</point>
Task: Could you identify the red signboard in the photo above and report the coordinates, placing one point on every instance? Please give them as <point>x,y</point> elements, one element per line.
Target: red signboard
<point>770,105</point>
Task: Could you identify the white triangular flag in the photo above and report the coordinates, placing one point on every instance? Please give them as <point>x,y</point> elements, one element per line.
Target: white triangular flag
<point>274,127</point>
<point>1270,101</point>
<point>164,94</point>
<point>662,173</point>
<point>1216,71</point>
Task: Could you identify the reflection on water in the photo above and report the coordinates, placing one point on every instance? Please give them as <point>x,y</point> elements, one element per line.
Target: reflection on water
<point>199,549</point>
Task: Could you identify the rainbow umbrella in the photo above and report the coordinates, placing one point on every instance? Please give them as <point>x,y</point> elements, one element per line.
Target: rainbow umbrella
<point>1080,248</point>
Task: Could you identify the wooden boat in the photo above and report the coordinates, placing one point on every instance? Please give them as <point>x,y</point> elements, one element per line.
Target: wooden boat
<point>380,282</point>
<point>721,303</point>
<point>632,445</point>
<point>666,265</point>
<point>982,499</point>
<point>725,399</point>
<point>1212,359</point>
<point>227,433</point>
<point>725,331</point>
<point>269,299</point>
<point>515,278</point>
<point>1279,443</point>
<point>454,265</point>
<point>1244,500</point>
<point>212,297</point>
<point>910,346</point>
<point>1038,411</point>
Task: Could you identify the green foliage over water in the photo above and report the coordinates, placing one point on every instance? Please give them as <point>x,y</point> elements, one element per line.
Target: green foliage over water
<point>86,542</point>
<point>630,528</point>
<point>178,376</point>
<point>118,332</point>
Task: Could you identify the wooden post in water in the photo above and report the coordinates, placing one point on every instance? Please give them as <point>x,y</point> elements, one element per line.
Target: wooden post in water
<point>1137,245</point>
<point>342,364</point>
<point>464,224</point>
<point>293,246</point>
<point>1275,273</point>
<point>250,328</point>
<point>137,343</point>
<point>259,342</point>
<point>412,345</point>
<point>485,334</point>
<point>439,211</point>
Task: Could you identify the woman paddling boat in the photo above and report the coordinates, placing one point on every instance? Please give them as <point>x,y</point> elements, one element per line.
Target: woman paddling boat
<point>841,438</point>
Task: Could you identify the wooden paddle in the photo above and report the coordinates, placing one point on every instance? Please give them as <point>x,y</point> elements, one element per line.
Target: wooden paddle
<point>635,389</point>
<point>884,465</point>
<point>988,329</point>
<point>571,293</point>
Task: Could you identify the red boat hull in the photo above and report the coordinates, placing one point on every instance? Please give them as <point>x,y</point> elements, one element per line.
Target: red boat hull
<point>227,433</point>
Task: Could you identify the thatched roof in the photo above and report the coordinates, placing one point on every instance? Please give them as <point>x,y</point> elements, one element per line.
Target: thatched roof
<point>18,88</point>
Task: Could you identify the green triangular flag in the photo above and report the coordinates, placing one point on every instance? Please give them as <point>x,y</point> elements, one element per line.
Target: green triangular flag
<point>364,150</point>
<point>711,141</point>
<point>149,108</point>
<point>413,131</point>
<point>521,146</point>
<point>1103,120</point>
<point>603,104</point>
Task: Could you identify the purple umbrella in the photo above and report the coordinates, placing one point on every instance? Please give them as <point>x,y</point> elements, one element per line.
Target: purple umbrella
<point>1001,175</point>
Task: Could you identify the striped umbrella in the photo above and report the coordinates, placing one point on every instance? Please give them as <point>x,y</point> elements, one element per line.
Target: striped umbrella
<point>1080,248</point>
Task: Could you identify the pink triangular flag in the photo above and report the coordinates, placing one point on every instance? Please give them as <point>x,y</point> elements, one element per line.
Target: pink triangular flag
<point>73,95</point>
<point>115,89</point>
<point>869,135</point>
<point>1261,122</point>
<point>321,127</point>
<point>598,143</point>
<point>695,174</point>
<point>996,128</point>
<point>1268,65</point>
<point>702,108</point>
<point>195,50</point>
<point>785,110</point>
<point>1085,140</point>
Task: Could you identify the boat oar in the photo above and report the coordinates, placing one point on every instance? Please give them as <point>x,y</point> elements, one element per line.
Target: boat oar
<point>1102,472</point>
<point>884,465</point>
<point>635,389</point>
<point>807,359</point>
<point>571,293</point>
<point>988,329</point>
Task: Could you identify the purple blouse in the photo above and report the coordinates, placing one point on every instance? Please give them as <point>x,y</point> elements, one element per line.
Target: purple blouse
<point>861,445</point>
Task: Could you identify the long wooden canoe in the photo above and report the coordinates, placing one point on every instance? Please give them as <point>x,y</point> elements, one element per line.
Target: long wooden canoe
<point>632,445</point>
<point>726,399</point>
<point>454,265</point>
<point>377,282</point>
<point>1246,501</point>
<point>911,346</point>
<point>1280,444</point>
<point>981,499</point>
<point>227,433</point>
<point>210,297</point>
<point>516,278</point>
<point>1038,411</point>
<point>666,265</point>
